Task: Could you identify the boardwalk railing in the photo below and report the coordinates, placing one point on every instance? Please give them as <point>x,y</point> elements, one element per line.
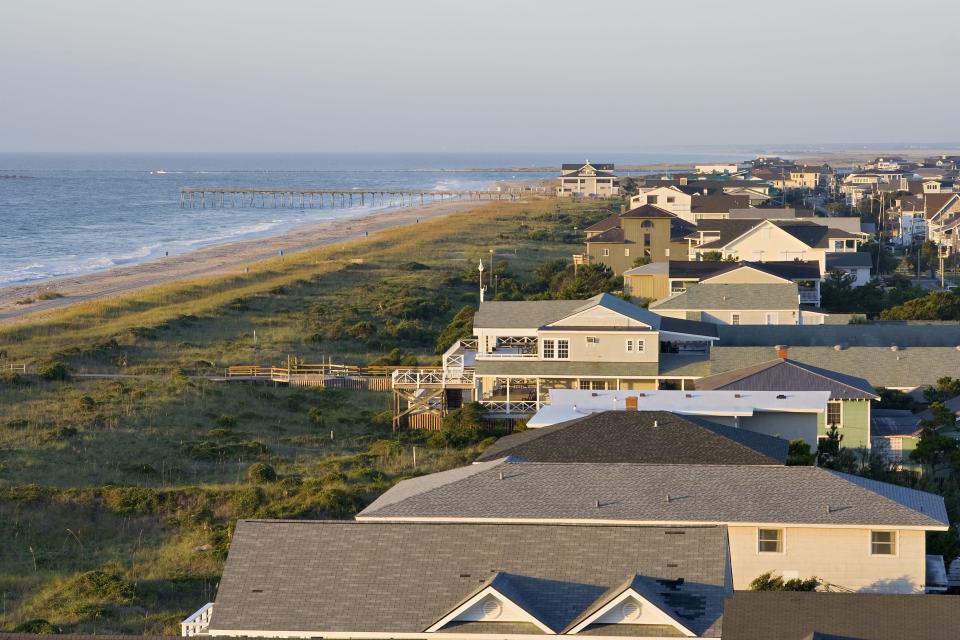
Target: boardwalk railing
<point>432,378</point>
<point>17,368</point>
<point>346,376</point>
<point>198,622</point>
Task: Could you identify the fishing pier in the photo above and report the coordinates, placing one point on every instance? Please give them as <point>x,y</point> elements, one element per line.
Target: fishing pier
<point>289,198</point>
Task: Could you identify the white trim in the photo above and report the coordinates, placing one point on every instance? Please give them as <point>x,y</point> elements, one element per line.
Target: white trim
<point>783,541</point>
<point>481,595</point>
<point>380,635</point>
<point>896,543</point>
<point>629,592</point>
<point>652,523</point>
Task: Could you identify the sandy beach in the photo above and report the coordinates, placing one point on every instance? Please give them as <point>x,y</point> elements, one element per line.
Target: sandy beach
<point>213,260</point>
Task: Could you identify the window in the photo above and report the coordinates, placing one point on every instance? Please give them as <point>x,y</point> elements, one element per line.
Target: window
<point>652,199</point>
<point>563,349</point>
<point>548,349</point>
<point>773,318</point>
<point>671,199</point>
<point>835,413</point>
<point>593,340</point>
<point>734,318</point>
<point>838,245</point>
<point>626,252</point>
<point>647,239</point>
<point>606,252</point>
<point>769,540</point>
<point>629,346</point>
<point>883,543</point>
<point>640,346</point>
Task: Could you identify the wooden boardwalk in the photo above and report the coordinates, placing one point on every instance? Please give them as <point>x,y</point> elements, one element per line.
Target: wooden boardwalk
<point>299,198</point>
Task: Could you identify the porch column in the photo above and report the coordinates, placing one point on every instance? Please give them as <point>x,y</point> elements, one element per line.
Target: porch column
<point>683,386</point>
<point>538,392</point>
<point>508,394</point>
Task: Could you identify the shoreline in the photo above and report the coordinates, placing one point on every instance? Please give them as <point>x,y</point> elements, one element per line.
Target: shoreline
<point>211,260</point>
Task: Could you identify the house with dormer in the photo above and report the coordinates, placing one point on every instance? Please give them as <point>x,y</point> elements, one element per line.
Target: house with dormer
<point>448,581</point>
<point>588,180</point>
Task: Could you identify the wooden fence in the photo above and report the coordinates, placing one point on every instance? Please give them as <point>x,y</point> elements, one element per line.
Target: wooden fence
<point>331,376</point>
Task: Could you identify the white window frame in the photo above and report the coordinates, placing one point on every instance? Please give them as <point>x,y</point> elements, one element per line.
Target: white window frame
<point>771,315</point>
<point>895,542</point>
<point>628,346</point>
<point>626,252</point>
<point>782,541</point>
<point>564,344</point>
<point>735,319</point>
<point>606,252</point>
<point>592,340</point>
<point>549,349</point>
<point>826,417</point>
<point>641,345</point>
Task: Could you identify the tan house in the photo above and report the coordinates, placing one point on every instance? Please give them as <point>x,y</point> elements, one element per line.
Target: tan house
<point>647,233</point>
<point>942,213</point>
<point>852,533</point>
<point>775,303</point>
<point>764,240</point>
<point>588,180</point>
<point>661,280</point>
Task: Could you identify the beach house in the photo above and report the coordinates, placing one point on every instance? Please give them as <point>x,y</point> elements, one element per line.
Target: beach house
<point>588,180</point>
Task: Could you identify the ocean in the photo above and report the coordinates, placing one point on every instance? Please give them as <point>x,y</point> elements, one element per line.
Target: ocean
<point>70,214</point>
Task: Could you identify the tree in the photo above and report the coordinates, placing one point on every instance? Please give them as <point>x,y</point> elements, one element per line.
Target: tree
<point>587,281</point>
<point>945,389</point>
<point>629,186</point>
<point>642,260</point>
<point>459,328</point>
<point>837,289</point>
<point>936,305</point>
<point>799,454</point>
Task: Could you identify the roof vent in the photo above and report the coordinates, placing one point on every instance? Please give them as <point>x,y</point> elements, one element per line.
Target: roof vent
<point>491,608</point>
<point>688,395</point>
<point>737,395</point>
<point>500,475</point>
<point>894,347</point>
<point>630,610</point>
<point>780,396</point>
<point>594,395</point>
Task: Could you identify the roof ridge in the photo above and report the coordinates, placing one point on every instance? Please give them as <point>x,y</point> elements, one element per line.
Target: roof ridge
<point>807,367</point>
<point>861,480</point>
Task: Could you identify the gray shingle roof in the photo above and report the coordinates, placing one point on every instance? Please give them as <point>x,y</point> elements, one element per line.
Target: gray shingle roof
<point>790,375</point>
<point>908,367</point>
<point>762,615</point>
<point>705,295</point>
<point>532,314</point>
<point>639,493</point>
<point>848,259</point>
<point>882,334</point>
<point>893,422</point>
<point>648,211</point>
<point>629,436</point>
<point>312,577</point>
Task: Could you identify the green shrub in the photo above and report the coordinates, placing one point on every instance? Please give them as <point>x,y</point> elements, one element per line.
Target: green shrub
<point>769,582</point>
<point>261,472</point>
<point>49,295</point>
<point>362,330</point>
<point>53,371</point>
<point>38,625</point>
<point>226,422</point>
<point>131,500</point>
<point>104,587</point>
<point>412,266</point>
<point>10,378</point>
<point>246,501</point>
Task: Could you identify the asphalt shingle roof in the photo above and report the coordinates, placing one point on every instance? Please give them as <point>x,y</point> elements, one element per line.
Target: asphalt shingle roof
<point>315,577</point>
<point>762,615</point>
<point>790,375</point>
<point>708,295</point>
<point>630,436</point>
<point>883,334</point>
<point>654,493</point>
<point>533,314</point>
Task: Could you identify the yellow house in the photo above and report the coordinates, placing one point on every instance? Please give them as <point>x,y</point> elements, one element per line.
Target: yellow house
<point>647,233</point>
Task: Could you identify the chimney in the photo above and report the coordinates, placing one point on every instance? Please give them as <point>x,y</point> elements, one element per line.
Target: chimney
<point>631,403</point>
<point>782,350</point>
<point>623,208</point>
<point>683,181</point>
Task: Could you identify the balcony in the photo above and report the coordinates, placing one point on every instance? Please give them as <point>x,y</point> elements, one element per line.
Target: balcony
<point>512,348</point>
<point>809,296</point>
<point>510,408</point>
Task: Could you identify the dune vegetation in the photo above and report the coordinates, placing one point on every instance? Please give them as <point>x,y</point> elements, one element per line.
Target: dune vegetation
<point>123,466</point>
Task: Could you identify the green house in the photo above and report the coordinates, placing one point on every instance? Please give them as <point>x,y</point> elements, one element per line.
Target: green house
<point>848,407</point>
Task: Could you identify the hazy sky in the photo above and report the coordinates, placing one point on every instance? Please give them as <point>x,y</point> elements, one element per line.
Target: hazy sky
<point>286,75</point>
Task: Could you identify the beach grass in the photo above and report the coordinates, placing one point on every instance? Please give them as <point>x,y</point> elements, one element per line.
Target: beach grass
<point>118,494</point>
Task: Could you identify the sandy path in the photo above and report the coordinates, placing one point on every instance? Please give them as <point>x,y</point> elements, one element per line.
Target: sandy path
<point>214,260</point>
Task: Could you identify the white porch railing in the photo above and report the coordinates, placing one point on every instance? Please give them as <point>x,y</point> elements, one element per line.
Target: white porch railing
<point>198,623</point>
<point>506,355</point>
<point>809,297</point>
<point>513,407</point>
<point>432,377</point>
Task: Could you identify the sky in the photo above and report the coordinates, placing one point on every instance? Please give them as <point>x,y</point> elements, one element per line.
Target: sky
<point>459,75</point>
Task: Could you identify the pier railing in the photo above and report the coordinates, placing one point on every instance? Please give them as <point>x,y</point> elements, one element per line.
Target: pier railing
<point>287,197</point>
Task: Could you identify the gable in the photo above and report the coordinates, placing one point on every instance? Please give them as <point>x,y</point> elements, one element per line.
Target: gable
<point>745,275</point>
<point>599,316</point>
<point>631,607</point>
<point>766,237</point>
<point>490,606</point>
